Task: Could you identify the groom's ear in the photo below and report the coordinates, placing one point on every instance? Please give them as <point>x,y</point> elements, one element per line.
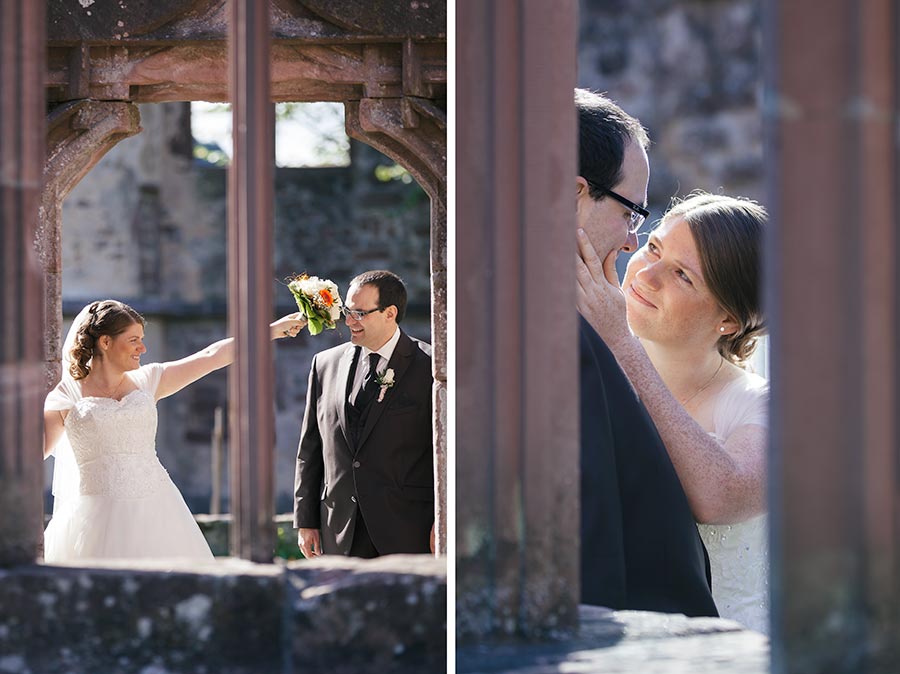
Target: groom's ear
<point>391,312</point>
<point>581,186</point>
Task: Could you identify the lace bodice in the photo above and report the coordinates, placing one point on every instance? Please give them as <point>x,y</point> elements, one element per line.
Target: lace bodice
<point>739,561</point>
<point>114,443</point>
<point>98,427</point>
<point>739,553</point>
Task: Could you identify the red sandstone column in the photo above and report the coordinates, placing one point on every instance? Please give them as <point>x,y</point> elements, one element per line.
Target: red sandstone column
<point>250,193</point>
<point>516,346</point>
<point>22,65</point>
<point>831,118</point>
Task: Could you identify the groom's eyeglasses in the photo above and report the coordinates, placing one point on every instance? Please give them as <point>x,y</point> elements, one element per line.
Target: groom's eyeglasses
<point>638,213</point>
<point>358,314</point>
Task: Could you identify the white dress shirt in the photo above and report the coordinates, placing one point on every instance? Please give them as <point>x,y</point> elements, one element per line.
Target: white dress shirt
<point>362,367</point>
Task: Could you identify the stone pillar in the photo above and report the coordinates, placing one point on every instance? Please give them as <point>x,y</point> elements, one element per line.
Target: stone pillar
<point>831,121</point>
<point>439,364</point>
<point>517,426</point>
<point>22,66</point>
<point>250,226</point>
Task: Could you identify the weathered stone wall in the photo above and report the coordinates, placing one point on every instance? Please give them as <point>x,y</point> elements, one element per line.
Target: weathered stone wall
<point>148,226</point>
<point>690,71</point>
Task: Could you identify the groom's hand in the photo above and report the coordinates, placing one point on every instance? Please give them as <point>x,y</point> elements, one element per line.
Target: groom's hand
<point>310,542</point>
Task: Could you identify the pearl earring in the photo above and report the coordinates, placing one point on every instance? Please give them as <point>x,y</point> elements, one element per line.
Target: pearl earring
<point>721,328</point>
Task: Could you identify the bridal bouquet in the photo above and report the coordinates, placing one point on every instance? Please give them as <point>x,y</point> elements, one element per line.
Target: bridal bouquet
<point>319,301</point>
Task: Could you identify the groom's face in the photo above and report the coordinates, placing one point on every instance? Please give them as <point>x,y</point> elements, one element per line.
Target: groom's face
<point>374,329</point>
<point>605,220</point>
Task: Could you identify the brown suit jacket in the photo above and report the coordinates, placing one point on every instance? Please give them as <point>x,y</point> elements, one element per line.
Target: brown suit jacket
<point>389,476</point>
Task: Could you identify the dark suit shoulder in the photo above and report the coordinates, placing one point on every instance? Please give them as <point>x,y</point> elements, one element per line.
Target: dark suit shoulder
<point>411,347</point>
<point>423,347</point>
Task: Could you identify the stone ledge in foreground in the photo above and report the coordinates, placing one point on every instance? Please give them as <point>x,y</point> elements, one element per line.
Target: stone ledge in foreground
<point>625,642</point>
<point>332,615</point>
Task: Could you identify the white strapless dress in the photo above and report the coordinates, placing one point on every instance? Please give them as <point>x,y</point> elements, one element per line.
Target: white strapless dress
<point>127,505</point>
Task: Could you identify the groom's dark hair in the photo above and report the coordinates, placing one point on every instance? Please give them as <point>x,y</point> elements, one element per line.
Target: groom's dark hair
<point>390,289</point>
<point>604,131</point>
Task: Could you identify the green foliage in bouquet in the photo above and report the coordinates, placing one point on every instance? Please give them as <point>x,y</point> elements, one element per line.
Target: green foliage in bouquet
<point>318,300</point>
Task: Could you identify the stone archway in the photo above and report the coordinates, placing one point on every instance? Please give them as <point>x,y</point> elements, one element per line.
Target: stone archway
<point>79,133</point>
<point>388,68</point>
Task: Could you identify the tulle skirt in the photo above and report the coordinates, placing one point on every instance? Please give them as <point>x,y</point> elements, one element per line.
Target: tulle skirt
<point>155,526</point>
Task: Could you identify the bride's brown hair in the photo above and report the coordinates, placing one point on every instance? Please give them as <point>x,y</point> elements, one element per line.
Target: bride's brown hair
<point>105,317</point>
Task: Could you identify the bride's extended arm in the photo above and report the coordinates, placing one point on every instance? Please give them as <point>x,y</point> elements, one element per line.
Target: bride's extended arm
<point>724,483</point>
<point>179,373</point>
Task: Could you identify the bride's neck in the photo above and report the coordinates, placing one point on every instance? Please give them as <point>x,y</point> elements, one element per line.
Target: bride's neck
<point>104,375</point>
<point>682,369</point>
<point>101,370</point>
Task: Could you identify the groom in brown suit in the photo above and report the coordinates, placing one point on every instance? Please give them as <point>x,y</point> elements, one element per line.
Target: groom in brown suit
<point>365,479</point>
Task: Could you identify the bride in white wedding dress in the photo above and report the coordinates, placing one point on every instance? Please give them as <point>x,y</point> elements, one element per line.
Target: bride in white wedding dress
<point>691,296</point>
<point>113,498</point>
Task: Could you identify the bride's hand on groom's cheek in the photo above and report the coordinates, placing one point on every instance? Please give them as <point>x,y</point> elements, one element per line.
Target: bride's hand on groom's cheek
<point>598,296</point>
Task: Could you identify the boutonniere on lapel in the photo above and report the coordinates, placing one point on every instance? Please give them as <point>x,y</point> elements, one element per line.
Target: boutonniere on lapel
<point>385,380</point>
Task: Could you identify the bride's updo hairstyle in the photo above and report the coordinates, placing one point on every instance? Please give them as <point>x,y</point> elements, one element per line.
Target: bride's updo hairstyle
<point>106,317</point>
<point>728,232</point>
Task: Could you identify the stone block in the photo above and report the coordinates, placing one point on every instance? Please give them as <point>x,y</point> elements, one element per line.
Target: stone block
<point>222,617</point>
<point>386,615</point>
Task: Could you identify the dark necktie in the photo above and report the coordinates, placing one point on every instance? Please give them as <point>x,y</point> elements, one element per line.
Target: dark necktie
<point>370,384</point>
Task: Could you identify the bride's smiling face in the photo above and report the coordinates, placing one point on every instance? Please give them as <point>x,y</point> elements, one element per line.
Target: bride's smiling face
<point>667,299</point>
<point>124,350</point>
